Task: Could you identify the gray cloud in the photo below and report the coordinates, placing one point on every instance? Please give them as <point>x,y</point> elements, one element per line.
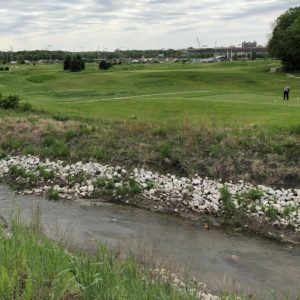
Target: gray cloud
<point>152,21</point>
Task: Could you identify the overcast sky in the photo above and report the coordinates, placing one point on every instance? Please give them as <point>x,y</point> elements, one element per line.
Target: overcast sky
<point>135,24</point>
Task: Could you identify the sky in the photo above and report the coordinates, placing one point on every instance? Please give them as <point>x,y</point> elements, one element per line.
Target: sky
<point>88,25</point>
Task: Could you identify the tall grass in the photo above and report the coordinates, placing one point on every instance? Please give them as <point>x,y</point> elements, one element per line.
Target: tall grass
<point>34,267</point>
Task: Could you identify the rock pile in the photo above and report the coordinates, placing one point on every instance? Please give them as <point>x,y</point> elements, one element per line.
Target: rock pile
<point>279,207</point>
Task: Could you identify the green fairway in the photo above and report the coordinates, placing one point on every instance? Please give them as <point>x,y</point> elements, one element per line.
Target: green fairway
<point>224,94</point>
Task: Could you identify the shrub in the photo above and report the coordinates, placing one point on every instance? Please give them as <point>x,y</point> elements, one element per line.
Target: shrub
<point>9,102</point>
<point>105,65</point>
<point>26,106</point>
<point>61,118</point>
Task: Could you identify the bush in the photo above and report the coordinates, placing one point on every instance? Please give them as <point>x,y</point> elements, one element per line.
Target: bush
<point>105,65</point>
<point>26,106</point>
<point>9,102</point>
<point>61,118</point>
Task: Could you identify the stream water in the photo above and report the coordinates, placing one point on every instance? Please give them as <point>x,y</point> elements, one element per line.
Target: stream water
<point>249,264</point>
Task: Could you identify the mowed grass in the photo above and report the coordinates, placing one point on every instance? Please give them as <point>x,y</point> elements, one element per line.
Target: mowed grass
<point>230,94</point>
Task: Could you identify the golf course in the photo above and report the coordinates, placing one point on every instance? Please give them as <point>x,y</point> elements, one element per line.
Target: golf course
<point>229,94</point>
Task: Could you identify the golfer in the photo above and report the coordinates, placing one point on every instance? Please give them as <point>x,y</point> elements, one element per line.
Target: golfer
<point>286,92</point>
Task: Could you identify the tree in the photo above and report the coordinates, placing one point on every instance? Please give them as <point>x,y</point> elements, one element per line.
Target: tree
<point>74,64</point>
<point>104,65</point>
<point>67,62</point>
<point>285,41</point>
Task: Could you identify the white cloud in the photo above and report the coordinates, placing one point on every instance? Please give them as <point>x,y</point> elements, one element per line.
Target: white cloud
<point>140,24</point>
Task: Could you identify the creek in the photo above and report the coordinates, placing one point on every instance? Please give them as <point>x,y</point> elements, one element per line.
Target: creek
<point>249,264</point>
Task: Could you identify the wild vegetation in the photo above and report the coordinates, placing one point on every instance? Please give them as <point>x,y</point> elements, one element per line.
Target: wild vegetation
<point>220,120</point>
<point>34,267</point>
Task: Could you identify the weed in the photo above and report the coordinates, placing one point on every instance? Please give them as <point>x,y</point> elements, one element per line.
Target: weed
<point>11,144</point>
<point>45,173</point>
<point>288,210</point>
<point>166,151</point>
<point>78,178</point>
<point>61,118</point>
<point>49,140</point>
<point>99,182</point>
<point>98,154</point>
<point>150,184</point>
<point>71,134</point>
<point>29,149</point>
<point>161,132</point>
<point>17,171</point>
<point>271,213</point>
<point>52,195</point>
<point>55,147</point>
<point>26,106</point>
<point>253,194</point>
<point>227,201</point>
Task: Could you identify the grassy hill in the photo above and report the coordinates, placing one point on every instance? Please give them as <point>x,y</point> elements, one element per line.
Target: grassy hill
<point>223,120</point>
<point>223,94</point>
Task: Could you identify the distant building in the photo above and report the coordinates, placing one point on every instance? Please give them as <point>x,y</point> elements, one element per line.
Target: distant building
<point>249,45</point>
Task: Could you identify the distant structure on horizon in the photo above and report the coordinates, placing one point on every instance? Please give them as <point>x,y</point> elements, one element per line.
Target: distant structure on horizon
<point>249,45</point>
<point>247,50</point>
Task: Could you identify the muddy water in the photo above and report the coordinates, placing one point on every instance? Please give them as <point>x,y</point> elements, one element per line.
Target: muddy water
<point>248,264</point>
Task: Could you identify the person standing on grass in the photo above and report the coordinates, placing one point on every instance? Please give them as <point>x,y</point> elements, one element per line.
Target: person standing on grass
<point>286,92</point>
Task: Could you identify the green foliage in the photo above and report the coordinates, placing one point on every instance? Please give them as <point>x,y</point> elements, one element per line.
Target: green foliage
<point>55,147</point>
<point>288,210</point>
<point>9,102</point>
<point>17,171</point>
<point>166,151</point>
<point>52,195</point>
<point>78,178</point>
<point>45,173</point>
<point>227,201</point>
<point>11,144</point>
<point>285,42</point>
<point>253,194</point>
<point>161,132</point>
<point>271,213</point>
<point>26,106</point>
<point>33,267</point>
<point>105,65</point>
<point>61,118</point>
<point>67,62</point>
<point>77,64</point>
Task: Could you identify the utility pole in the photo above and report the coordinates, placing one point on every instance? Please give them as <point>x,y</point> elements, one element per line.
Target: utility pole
<point>11,53</point>
<point>98,54</point>
<point>199,45</point>
<point>49,47</point>
<point>215,48</point>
